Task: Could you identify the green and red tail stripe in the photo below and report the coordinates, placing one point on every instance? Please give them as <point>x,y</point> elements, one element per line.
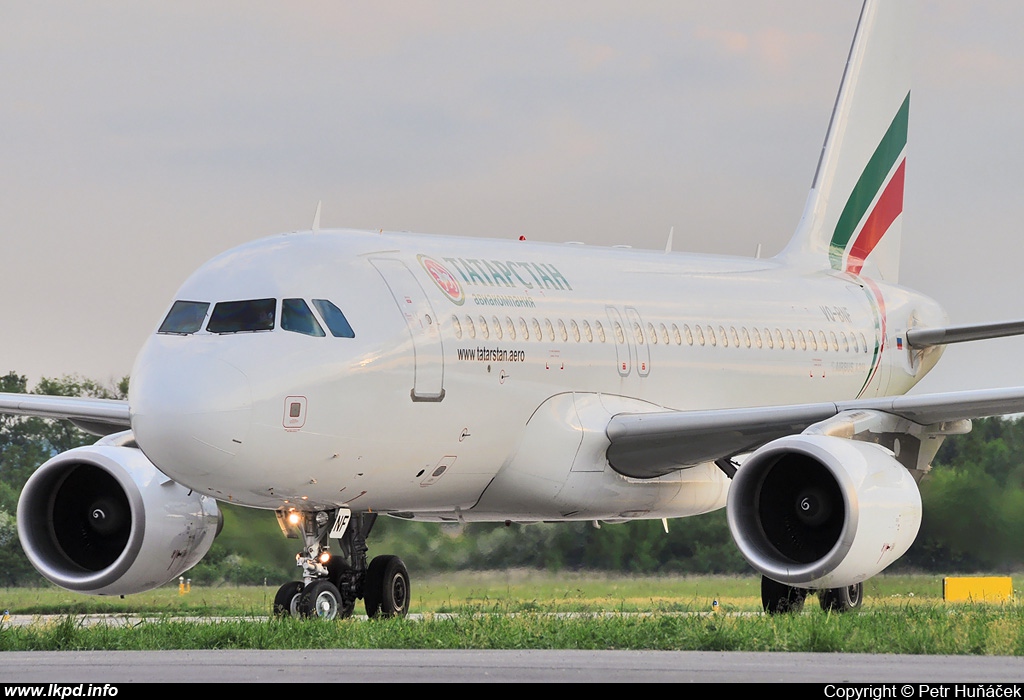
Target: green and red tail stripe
<point>888,205</point>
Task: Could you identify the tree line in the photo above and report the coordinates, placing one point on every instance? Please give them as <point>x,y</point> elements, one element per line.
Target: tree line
<point>973,517</point>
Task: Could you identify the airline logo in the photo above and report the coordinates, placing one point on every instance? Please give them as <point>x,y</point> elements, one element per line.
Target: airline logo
<point>444,279</point>
<point>876,200</point>
<point>471,272</point>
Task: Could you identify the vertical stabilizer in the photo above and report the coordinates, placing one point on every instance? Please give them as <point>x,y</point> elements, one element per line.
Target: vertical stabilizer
<point>853,215</point>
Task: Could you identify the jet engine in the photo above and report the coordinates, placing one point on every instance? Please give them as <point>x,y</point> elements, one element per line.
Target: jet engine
<point>815,511</point>
<point>103,520</point>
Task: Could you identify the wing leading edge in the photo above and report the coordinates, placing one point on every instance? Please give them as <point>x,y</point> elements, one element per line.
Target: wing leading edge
<point>96,416</point>
<point>647,445</point>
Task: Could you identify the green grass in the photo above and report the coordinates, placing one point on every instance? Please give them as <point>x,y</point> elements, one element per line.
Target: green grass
<point>910,629</point>
<point>517,610</point>
<point>514,590</point>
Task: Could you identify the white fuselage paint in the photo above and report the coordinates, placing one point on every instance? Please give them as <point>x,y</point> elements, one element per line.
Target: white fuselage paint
<point>429,405</point>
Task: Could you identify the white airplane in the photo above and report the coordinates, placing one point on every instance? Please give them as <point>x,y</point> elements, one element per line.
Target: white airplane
<point>333,376</point>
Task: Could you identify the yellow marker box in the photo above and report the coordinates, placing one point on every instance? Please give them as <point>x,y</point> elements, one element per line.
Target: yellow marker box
<point>977,589</point>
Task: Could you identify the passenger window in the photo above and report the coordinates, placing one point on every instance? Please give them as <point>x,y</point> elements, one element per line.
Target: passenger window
<point>700,335</point>
<point>185,317</point>
<point>689,334</point>
<point>638,333</point>
<point>484,332</point>
<point>243,316</point>
<point>497,327</point>
<point>664,334</point>
<point>470,327</point>
<point>523,330</point>
<point>511,327</point>
<point>550,329</point>
<point>757,338</point>
<point>536,329</point>
<point>822,341</point>
<point>563,332</point>
<point>746,336</point>
<point>679,337</point>
<point>456,326</point>
<point>336,322</point>
<point>600,331</point>
<point>588,332</point>
<point>575,330</point>
<point>297,318</point>
<point>652,334</point>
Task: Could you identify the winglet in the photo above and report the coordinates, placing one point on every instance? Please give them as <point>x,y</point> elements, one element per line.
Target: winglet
<point>316,217</point>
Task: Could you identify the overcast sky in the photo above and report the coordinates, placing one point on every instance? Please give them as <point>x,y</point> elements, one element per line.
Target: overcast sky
<point>137,140</point>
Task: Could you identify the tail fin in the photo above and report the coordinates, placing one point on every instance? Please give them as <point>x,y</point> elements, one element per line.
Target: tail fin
<point>853,216</point>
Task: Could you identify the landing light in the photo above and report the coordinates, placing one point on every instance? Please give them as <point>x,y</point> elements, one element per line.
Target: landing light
<point>294,518</point>
<point>325,557</point>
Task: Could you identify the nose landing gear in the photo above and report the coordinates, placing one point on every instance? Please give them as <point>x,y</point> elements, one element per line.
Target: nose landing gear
<point>331,585</point>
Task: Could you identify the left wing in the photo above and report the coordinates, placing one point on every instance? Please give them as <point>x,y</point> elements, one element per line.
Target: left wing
<point>96,416</point>
<point>646,445</point>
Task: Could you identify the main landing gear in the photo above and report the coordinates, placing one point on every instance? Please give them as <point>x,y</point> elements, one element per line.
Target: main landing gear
<point>779,598</point>
<point>331,584</point>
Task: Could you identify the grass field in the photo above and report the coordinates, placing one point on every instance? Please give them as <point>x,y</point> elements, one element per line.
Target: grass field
<point>521,610</point>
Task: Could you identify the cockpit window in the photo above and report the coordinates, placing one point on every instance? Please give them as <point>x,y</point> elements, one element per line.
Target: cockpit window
<point>185,317</point>
<point>334,319</point>
<point>243,316</point>
<point>296,317</point>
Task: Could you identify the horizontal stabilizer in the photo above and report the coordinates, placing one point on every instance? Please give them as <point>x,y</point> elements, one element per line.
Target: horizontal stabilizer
<point>925,337</point>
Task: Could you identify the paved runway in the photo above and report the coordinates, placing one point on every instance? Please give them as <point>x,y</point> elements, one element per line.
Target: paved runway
<point>452,666</point>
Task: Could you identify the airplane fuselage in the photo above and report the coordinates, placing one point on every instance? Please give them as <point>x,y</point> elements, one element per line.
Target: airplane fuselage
<point>460,348</point>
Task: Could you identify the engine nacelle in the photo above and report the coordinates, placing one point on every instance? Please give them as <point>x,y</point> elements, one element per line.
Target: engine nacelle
<point>816,511</point>
<point>103,520</point>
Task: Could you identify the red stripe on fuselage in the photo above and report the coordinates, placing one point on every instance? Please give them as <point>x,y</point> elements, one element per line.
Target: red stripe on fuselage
<point>887,208</point>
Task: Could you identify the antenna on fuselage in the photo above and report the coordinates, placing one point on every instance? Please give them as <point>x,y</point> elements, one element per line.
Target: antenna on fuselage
<point>316,217</point>
<point>668,244</point>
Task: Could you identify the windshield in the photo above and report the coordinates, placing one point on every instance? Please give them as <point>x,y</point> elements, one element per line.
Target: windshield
<point>334,319</point>
<point>185,317</point>
<point>243,316</point>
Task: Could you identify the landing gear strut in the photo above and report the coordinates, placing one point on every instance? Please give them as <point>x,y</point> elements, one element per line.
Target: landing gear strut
<point>842,599</point>
<point>331,585</point>
<point>779,598</point>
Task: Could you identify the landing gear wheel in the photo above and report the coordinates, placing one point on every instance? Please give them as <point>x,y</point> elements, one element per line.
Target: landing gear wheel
<point>286,602</point>
<point>320,599</point>
<point>842,599</point>
<point>386,588</point>
<point>779,598</point>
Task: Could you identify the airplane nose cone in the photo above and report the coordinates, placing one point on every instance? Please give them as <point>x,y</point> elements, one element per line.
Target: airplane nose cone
<point>190,416</point>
